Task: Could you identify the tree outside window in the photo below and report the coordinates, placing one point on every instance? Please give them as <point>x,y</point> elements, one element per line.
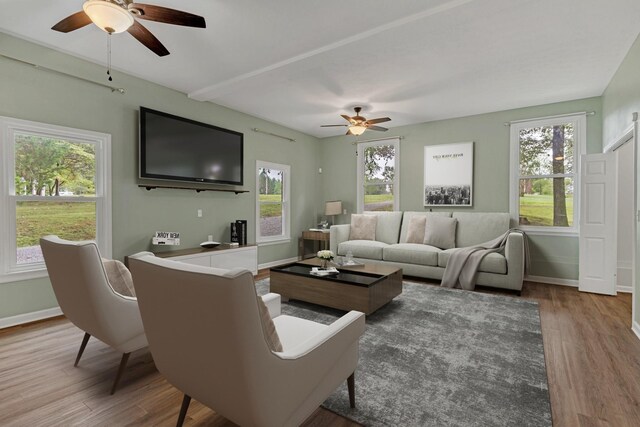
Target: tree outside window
<point>272,182</point>
<point>547,173</point>
<point>57,182</point>
<point>50,176</point>
<point>378,179</point>
<point>270,202</point>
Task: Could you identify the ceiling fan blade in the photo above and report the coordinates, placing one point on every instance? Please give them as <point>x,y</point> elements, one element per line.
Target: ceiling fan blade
<point>378,128</point>
<point>72,22</point>
<point>347,118</point>
<point>168,16</point>
<point>379,120</point>
<point>145,37</point>
<point>330,126</point>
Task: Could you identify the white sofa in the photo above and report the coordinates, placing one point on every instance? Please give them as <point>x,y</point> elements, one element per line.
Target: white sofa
<point>499,270</point>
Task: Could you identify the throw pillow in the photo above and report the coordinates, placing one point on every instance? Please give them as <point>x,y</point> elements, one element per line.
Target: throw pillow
<point>363,227</point>
<point>416,230</point>
<point>273,340</point>
<point>119,277</point>
<point>440,231</point>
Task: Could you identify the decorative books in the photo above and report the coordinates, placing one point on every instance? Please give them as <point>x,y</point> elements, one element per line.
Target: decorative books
<point>318,271</point>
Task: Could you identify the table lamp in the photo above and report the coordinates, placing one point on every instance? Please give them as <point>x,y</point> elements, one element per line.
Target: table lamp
<point>332,209</point>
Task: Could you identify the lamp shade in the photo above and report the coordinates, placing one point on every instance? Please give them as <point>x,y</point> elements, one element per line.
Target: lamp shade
<point>109,17</point>
<point>333,208</point>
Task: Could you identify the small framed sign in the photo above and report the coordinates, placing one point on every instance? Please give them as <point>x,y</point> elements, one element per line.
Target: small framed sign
<point>166,238</point>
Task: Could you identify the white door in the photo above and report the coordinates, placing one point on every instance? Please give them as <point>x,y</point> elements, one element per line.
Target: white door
<point>598,224</point>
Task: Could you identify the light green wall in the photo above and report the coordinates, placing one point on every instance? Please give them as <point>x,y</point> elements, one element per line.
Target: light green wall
<point>620,100</point>
<point>31,94</point>
<point>550,256</point>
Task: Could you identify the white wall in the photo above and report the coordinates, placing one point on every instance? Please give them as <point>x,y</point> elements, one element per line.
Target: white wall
<point>625,216</point>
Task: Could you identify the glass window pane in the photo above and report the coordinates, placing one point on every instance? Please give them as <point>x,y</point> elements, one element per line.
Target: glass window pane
<point>72,221</point>
<point>270,219</point>
<point>379,164</point>
<point>546,202</point>
<point>271,198</point>
<point>270,184</point>
<point>547,150</point>
<point>54,167</point>
<point>378,197</point>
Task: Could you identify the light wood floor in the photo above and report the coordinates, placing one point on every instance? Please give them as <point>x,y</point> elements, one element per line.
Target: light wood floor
<point>592,357</point>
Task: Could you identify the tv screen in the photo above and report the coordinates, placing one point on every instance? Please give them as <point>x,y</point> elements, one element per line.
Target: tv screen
<point>178,149</point>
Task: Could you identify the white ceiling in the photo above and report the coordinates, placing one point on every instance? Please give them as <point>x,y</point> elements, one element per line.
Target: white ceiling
<point>302,63</point>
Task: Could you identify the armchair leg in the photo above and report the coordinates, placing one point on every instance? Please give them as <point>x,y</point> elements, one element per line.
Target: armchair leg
<point>183,410</point>
<point>123,364</point>
<point>352,390</point>
<point>85,340</point>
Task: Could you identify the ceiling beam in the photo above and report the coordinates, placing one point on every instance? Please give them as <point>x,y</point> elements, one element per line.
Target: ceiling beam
<point>211,92</point>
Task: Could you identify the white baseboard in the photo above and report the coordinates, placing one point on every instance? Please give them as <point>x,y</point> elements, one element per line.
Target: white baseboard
<point>553,280</point>
<point>570,282</point>
<point>20,319</point>
<point>635,327</point>
<point>277,263</point>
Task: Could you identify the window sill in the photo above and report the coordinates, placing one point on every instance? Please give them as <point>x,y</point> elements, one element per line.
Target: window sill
<point>274,241</point>
<point>24,275</point>
<point>535,231</point>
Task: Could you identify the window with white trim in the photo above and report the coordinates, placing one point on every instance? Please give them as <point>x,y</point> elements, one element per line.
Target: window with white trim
<point>545,162</point>
<point>54,180</point>
<point>378,175</point>
<point>273,182</point>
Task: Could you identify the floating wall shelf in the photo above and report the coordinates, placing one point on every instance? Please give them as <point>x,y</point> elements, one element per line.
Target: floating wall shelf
<point>196,189</point>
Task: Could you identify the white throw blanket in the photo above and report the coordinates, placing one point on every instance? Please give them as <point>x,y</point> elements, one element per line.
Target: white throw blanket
<point>462,267</point>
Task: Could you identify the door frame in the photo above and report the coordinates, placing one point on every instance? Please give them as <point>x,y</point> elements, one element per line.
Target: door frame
<point>630,135</point>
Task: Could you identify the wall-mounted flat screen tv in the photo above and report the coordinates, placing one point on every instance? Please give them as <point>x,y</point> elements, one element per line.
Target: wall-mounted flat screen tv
<point>178,149</point>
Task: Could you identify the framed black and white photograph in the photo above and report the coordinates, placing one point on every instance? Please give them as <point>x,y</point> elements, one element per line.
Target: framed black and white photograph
<point>448,174</point>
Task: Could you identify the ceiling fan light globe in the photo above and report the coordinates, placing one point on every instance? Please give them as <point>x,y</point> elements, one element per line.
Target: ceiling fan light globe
<point>107,16</point>
<point>357,129</point>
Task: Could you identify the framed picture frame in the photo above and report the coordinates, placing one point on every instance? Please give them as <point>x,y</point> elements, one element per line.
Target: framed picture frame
<point>448,174</point>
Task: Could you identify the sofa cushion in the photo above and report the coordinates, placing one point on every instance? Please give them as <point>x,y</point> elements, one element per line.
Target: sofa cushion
<point>492,263</point>
<point>388,226</point>
<point>369,249</point>
<point>475,227</point>
<point>440,232</point>
<point>412,253</point>
<point>363,227</point>
<point>415,233</point>
<point>406,220</point>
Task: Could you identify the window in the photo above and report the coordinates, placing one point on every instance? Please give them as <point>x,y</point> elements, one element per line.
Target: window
<point>272,204</point>
<point>545,156</point>
<point>54,180</point>
<point>378,175</point>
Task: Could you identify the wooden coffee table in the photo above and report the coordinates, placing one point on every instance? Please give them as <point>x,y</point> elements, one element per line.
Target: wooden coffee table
<point>365,288</point>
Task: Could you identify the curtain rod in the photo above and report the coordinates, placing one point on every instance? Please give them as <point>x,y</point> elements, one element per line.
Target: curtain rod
<point>40,67</point>
<point>376,139</point>
<point>586,113</point>
<point>273,134</point>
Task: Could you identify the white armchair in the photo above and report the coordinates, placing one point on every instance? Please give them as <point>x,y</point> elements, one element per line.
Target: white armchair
<point>87,299</point>
<point>206,337</point>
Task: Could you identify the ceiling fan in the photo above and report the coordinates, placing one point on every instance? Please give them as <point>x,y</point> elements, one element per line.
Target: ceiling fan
<point>116,16</point>
<point>358,124</point>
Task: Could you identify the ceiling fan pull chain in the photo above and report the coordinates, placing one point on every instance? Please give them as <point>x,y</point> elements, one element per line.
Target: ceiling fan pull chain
<point>109,56</point>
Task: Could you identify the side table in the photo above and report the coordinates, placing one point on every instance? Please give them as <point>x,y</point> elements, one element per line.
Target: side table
<point>320,240</point>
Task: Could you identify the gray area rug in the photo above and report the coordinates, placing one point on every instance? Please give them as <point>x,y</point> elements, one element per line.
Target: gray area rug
<point>444,357</point>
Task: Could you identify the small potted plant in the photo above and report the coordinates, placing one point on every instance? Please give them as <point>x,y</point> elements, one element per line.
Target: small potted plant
<point>325,257</point>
